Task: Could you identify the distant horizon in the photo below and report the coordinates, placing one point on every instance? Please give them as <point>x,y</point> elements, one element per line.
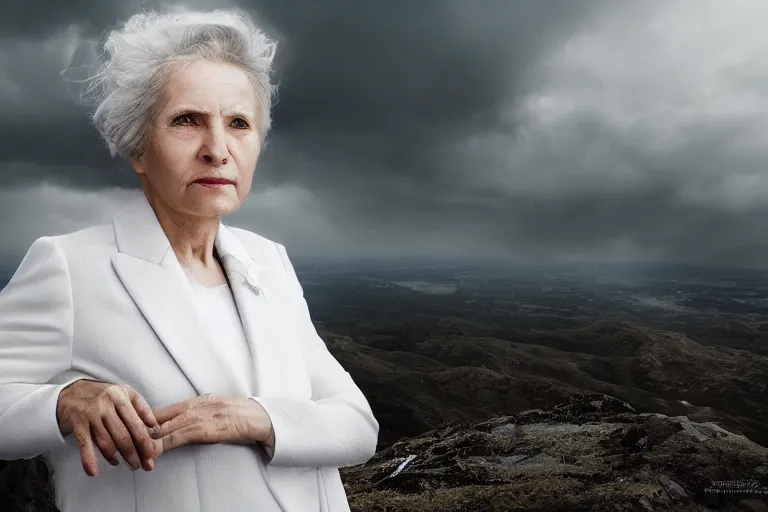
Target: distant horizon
<point>302,264</point>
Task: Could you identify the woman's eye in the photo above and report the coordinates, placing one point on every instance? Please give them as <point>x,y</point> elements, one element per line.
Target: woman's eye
<point>240,123</point>
<point>184,119</point>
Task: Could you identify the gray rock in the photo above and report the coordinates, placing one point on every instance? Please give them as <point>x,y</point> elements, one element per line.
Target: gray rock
<point>672,487</point>
<point>584,454</point>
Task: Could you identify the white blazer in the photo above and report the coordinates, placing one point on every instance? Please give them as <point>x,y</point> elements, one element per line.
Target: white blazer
<point>112,303</point>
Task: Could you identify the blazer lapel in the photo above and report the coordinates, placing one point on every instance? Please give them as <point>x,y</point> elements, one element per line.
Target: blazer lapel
<point>152,275</point>
<point>258,284</point>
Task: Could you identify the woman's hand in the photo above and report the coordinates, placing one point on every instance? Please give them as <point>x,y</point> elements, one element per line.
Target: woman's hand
<point>210,419</point>
<point>114,417</point>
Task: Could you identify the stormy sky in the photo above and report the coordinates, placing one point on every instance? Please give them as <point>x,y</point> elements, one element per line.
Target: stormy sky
<point>523,129</point>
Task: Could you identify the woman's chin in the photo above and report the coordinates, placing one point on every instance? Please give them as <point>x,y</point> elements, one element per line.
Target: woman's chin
<point>216,206</point>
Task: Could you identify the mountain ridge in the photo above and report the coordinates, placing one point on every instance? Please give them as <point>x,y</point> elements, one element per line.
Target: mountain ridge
<point>465,377</point>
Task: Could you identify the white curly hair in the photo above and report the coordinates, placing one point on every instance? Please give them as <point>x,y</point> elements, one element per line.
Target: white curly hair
<point>139,58</point>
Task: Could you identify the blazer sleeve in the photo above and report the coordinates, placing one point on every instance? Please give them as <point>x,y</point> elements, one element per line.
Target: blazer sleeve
<point>35,350</point>
<point>336,427</point>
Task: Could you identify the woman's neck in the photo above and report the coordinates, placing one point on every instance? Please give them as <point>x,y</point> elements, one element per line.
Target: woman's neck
<point>192,238</point>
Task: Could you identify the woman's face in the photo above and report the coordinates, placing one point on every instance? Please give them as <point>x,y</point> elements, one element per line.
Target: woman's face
<point>205,127</point>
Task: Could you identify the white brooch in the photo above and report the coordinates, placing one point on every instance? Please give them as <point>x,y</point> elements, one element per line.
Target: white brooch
<point>250,274</point>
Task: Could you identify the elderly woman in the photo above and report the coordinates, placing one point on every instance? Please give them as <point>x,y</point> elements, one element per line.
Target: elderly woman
<point>183,345</point>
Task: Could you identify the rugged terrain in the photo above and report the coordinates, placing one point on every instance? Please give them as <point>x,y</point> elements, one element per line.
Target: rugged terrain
<point>454,372</point>
<point>593,452</point>
<point>545,391</point>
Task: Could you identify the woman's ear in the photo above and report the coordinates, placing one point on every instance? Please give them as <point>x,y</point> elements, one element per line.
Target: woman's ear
<point>138,165</point>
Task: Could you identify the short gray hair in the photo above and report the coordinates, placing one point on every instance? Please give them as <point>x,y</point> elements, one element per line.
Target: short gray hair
<point>139,60</point>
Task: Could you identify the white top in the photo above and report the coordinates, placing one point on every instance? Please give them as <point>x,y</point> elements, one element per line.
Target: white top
<point>221,320</point>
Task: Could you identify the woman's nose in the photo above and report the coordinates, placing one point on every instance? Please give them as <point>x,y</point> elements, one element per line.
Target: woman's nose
<point>214,150</point>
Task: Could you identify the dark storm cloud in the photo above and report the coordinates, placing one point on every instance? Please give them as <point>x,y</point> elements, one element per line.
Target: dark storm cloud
<point>39,17</point>
<point>526,129</point>
<point>46,132</point>
<point>402,80</point>
<point>405,78</point>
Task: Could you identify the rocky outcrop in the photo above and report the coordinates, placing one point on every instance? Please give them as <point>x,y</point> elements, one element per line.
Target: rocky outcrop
<point>593,452</point>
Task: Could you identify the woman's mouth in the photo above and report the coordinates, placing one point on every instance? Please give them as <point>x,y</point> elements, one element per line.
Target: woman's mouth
<point>214,182</point>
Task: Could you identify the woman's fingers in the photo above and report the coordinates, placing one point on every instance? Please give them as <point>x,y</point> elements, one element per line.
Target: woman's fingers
<point>147,416</point>
<point>206,419</point>
<point>143,409</point>
<point>164,414</point>
<point>115,418</point>
<point>103,440</point>
<point>112,417</point>
<point>143,444</point>
<point>122,439</point>
<point>194,433</point>
<point>159,450</point>
<point>82,432</point>
<point>178,422</point>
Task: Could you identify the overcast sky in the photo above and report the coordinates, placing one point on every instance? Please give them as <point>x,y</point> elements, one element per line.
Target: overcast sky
<point>528,129</point>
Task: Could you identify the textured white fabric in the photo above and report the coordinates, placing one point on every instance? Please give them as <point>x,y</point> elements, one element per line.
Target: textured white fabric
<point>218,314</point>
